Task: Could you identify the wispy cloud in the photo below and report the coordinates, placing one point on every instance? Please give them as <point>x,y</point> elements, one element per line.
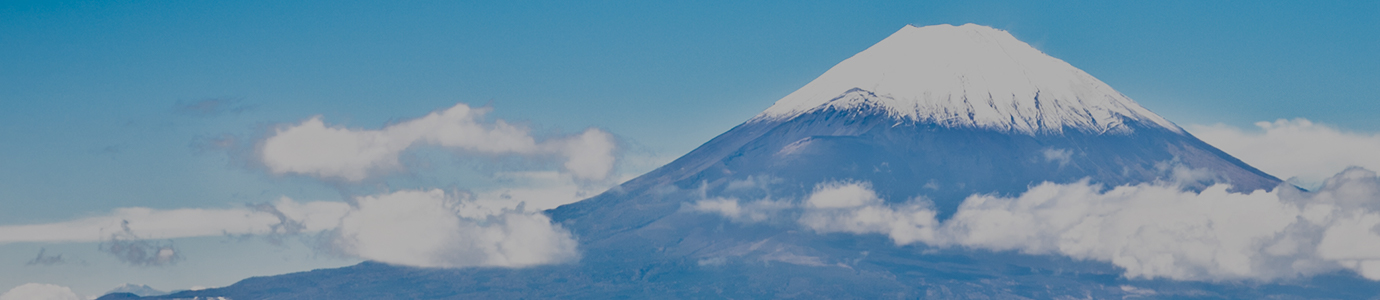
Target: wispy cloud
<point>46,260</point>
<point>133,250</point>
<point>315,149</point>
<point>743,212</point>
<point>425,228</point>
<point>1298,147</point>
<point>535,191</point>
<point>147,223</point>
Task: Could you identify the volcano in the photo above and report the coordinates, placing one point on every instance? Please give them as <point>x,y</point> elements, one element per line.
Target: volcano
<point>941,112</point>
<point>936,113</point>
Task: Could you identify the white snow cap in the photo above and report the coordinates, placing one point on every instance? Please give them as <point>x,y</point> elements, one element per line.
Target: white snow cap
<point>969,76</point>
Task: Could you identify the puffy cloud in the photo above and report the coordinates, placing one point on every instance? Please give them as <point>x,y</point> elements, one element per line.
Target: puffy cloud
<point>1152,230</point>
<point>855,208</point>
<point>313,148</point>
<point>1298,147</point>
<point>433,229</point>
<point>39,291</point>
<point>589,155</point>
<point>1061,156</point>
<point>842,195</point>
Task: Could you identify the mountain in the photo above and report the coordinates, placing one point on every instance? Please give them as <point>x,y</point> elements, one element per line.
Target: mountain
<point>932,114</point>
<point>139,290</point>
<point>941,112</point>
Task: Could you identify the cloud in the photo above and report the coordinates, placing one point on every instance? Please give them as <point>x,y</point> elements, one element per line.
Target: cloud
<point>535,191</point>
<point>1061,156</point>
<point>1152,230</point>
<point>433,229</point>
<point>854,208</point>
<point>424,228</point>
<point>589,155</point>
<point>39,291</point>
<point>1298,147</point>
<point>751,212</point>
<point>130,249</point>
<point>46,260</point>
<point>147,223</point>
<point>315,149</point>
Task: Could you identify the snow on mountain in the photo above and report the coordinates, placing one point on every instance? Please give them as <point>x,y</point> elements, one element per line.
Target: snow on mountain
<point>969,76</point>
<point>138,290</point>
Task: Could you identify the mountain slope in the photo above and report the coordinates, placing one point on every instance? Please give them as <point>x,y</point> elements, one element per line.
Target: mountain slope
<point>908,143</point>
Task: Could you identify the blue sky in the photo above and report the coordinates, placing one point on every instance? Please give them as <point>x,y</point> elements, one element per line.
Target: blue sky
<point>99,100</point>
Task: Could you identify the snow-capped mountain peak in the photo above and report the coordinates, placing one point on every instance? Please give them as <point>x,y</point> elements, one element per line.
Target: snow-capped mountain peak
<point>969,76</point>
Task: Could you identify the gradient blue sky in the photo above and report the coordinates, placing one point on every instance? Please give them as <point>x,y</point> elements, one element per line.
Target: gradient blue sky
<point>93,94</point>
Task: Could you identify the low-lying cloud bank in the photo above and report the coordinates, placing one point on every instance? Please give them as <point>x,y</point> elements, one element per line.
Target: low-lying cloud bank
<point>423,228</point>
<point>1298,147</point>
<point>1150,230</point>
<point>39,291</point>
<point>315,149</point>
<point>147,223</point>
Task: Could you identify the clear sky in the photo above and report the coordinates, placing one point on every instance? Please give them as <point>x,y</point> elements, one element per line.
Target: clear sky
<point>116,104</point>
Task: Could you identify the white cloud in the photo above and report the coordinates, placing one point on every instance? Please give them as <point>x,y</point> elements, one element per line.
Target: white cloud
<point>535,191</point>
<point>842,195</point>
<point>411,227</point>
<point>1153,230</point>
<point>141,236</point>
<point>1061,156</point>
<point>1150,230</point>
<point>853,207</point>
<point>589,155</point>
<point>429,229</point>
<point>39,291</point>
<point>150,223</point>
<point>751,212</point>
<point>1298,147</point>
<point>313,148</point>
